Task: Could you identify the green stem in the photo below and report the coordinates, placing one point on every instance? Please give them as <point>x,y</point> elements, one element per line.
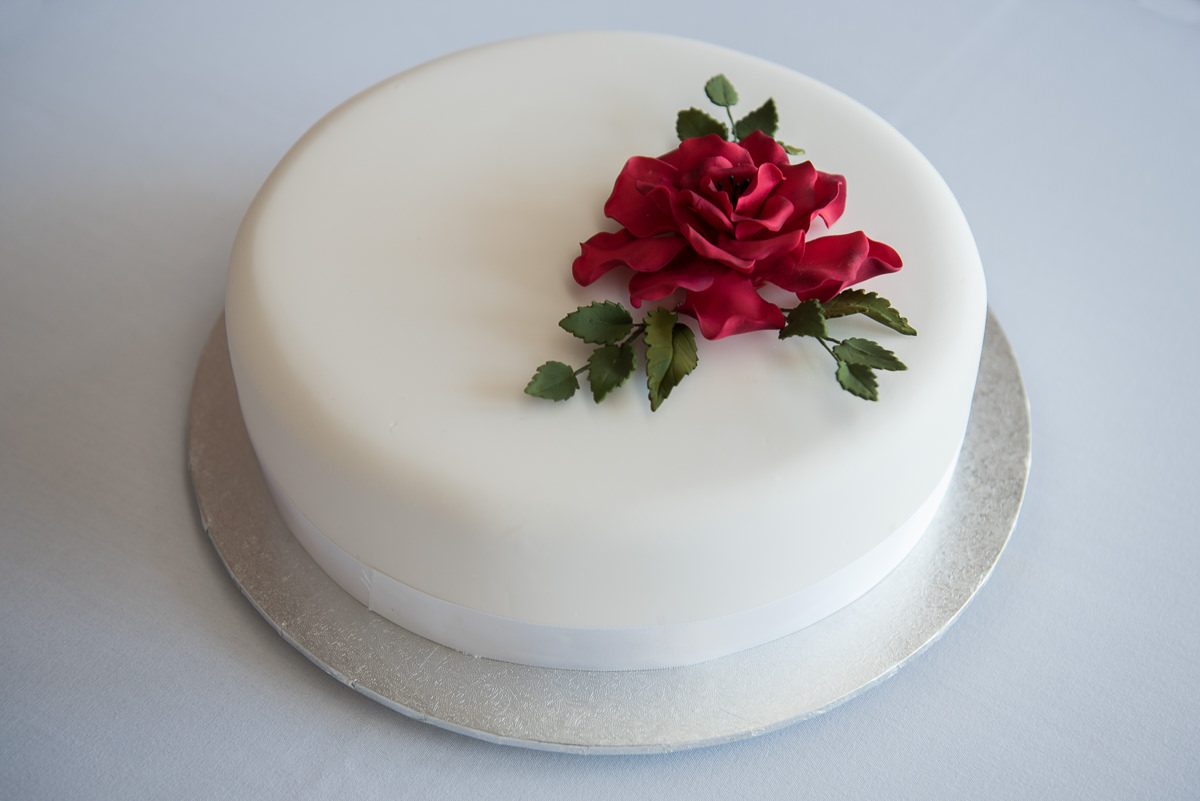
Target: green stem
<point>823,340</point>
<point>638,330</point>
<point>732,124</point>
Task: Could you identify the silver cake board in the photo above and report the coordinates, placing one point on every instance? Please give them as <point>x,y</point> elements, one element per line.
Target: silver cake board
<point>646,711</point>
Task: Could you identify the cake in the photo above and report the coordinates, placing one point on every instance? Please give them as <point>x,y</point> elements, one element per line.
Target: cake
<point>399,276</point>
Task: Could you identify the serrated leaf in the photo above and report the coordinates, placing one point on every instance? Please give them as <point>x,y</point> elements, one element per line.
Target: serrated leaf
<point>553,381</point>
<point>608,368</point>
<point>660,346</point>
<point>693,122</point>
<point>858,379</point>
<point>806,320</point>
<point>670,354</point>
<point>856,301</point>
<point>791,151</point>
<point>765,118</point>
<point>600,323</point>
<point>720,91</point>
<point>855,350</point>
<point>684,359</point>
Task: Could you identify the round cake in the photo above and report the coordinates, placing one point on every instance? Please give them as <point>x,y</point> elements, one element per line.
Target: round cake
<point>401,274</point>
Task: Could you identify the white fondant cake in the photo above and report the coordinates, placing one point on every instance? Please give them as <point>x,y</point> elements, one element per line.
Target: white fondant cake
<point>401,274</point>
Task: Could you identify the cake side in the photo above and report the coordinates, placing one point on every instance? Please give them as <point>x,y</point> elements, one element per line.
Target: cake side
<point>392,286</point>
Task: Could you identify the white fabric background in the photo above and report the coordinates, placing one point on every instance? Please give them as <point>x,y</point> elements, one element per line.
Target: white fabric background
<point>134,134</point>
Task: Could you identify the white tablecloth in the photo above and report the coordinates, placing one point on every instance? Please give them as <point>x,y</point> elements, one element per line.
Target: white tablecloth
<point>132,137</point>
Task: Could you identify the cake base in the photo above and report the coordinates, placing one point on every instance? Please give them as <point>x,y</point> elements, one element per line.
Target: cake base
<point>645,711</point>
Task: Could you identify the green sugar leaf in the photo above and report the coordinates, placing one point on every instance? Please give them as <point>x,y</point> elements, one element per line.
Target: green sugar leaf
<point>553,381</point>
<point>791,151</point>
<point>660,347</point>
<point>609,368</point>
<point>765,118</point>
<point>854,350</point>
<point>685,357</point>
<point>720,91</point>
<point>600,323</point>
<point>693,122</point>
<point>670,354</point>
<point>858,379</point>
<point>806,320</point>
<point>856,301</point>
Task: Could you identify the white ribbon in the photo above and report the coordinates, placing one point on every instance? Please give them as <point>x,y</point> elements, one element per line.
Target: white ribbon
<point>483,634</point>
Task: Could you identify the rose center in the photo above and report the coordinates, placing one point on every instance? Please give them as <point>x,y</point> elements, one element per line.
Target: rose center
<point>736,188</point>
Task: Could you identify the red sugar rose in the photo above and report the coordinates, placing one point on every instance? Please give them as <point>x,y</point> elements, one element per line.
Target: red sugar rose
<point>719,220</point>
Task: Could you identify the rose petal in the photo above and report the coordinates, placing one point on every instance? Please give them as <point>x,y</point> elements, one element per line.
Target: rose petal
<point>690,274</point>
<point>640,199</point>
<point>764,248</point>
<point>702,150</point>
<point>830,264</point>
<point>773,215</point>
<point>813,194</point>
<point>604,251</point>
<point>765,179</point>
<point>731,306</point>
<point>691,208</point>
<point>764,150</point>
<point>709,250</point>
